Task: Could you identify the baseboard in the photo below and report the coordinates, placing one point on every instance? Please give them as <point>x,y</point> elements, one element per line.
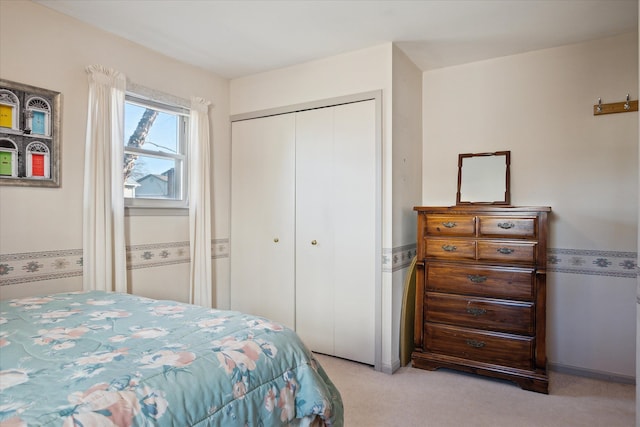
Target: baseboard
<point>589,373</point>
<point>390,369</point>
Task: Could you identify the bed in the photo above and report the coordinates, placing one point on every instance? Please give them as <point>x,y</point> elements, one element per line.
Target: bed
<point>111,359</point>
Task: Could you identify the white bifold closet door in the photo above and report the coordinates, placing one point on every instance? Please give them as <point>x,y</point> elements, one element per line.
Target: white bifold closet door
<point>303,225</point>
<point>263,221</point>
<point>335,230</point>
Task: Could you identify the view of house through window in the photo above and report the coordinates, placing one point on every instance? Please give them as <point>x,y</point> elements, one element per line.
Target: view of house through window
<point>155,149</point>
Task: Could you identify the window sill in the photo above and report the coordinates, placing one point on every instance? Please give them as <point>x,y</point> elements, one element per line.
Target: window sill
<point>148,211</point>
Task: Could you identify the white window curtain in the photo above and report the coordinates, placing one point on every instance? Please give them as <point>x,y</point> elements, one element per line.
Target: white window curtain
<point>200,204</point>
<point>104,252</point>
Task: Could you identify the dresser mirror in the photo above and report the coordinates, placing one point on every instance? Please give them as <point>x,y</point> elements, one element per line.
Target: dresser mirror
<point>483,178</point>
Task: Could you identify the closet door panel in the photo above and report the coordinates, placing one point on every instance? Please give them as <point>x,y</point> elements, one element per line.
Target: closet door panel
<point>315,246</point>
<point>354,202</point>
<point>262,217</point>
<point>336,210</point>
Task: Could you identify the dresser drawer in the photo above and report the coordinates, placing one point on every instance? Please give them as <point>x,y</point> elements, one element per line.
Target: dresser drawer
<point>480,313</point>
<point>509,252</point>
<point>525,228</point>
<point>440,225</point>
<point>454,249</point>
<point>494,282</point>
<point>495,348</point>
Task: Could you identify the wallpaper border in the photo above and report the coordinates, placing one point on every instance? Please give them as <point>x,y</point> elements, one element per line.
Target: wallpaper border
<point>590,262</point>
<point>398,258</point>
<point>46,265</point>
<point>35,266</point>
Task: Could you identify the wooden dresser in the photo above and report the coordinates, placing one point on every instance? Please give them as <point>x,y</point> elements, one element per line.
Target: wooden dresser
<point>481,292</point>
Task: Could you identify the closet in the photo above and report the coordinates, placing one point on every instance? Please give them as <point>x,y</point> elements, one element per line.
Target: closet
<point>305,233</point>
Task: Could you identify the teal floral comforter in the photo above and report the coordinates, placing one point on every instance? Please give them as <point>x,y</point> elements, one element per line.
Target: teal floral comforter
<point>109,359</point>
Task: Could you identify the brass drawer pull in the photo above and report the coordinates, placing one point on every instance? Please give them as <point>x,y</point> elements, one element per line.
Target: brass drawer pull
<point>475,344</point>
<point>476,278</point>
<point>506,251</point>
<point>449,224</point>
<point>475,312</point>
<point>506,225</point>
<point>449,248</point>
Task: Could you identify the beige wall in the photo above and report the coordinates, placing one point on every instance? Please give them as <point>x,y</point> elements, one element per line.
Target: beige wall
<point>407,183</point>
<point>539,105</point>
<point>43,48</point>
<point>407,147</point>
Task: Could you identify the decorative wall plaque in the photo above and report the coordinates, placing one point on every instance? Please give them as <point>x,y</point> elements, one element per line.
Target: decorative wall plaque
<point>29,135</point>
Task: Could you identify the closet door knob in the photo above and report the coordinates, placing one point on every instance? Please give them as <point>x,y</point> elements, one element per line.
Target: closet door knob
<point>275,239</point>
<point>314,242</point>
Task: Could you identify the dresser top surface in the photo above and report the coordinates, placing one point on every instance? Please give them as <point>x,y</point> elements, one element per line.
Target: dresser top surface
<point>481,208</point>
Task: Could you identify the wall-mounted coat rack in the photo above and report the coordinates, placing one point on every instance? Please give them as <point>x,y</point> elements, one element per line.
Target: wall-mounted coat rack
<point>615,107</point>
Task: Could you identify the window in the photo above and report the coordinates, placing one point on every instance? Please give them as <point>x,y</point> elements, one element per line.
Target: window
<point>155,153</point>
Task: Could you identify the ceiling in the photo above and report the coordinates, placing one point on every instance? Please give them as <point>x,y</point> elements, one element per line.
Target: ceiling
<point>238,38</point>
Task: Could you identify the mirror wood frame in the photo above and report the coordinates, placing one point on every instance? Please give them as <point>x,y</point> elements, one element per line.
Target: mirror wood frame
<point>507,187</point>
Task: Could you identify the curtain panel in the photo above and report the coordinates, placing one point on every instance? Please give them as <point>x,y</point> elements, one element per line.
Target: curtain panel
<point>104,252</point>
<point>200,204</point>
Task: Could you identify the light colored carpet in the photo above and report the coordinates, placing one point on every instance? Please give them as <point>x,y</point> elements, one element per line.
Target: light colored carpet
<point>414,397</point>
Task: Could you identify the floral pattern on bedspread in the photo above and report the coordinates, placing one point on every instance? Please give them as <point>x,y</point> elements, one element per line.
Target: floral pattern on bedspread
<point>110,359</point>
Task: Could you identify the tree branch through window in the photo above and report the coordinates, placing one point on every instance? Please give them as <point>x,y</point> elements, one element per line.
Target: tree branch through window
<point>137,140</point>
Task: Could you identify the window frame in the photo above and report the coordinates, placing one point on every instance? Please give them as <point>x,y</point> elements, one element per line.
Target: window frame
<point>159,205</point>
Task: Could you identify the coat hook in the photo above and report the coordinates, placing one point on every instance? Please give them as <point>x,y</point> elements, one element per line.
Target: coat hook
<point>615,107</point>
